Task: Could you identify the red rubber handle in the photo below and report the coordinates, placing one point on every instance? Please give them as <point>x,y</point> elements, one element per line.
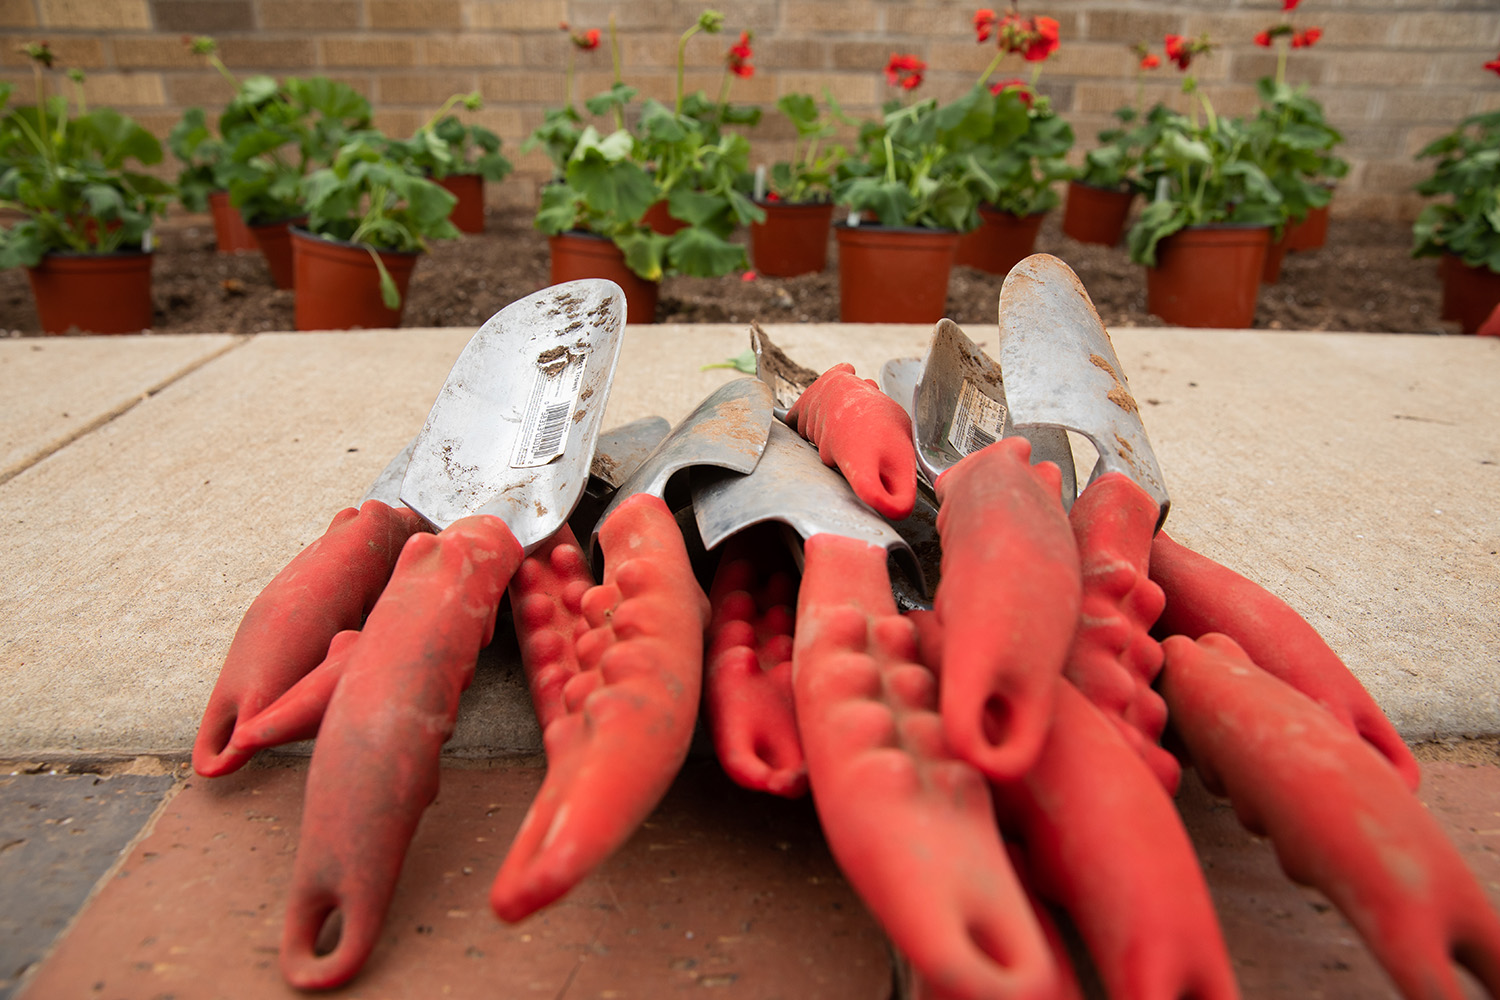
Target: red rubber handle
<point>1341,819</point>
<point>297,714</point>
<point>865,434</point>
<point>1104,841</point>
<point>1203,596</point>
<point>1008,603</point>
<point>912,827</point>
<point>628,705</point>
<point>1114,658</point>
<point>326,589</point>
<point>747,677</point>
<point>374,769</point>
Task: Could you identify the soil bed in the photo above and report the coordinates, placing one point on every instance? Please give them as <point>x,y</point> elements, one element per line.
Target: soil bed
<point>1364,279</point>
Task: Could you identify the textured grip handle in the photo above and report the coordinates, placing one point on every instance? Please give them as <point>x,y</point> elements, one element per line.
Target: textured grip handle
<point>326,589</point>
<point>1114,658</point>
<point>374,769</point>
<point>1340,817</point>
<point>911,826</point>
<point>1104,841</point>
<point>1203,597</point>
<point>627,699</point>
<point>1008,603</point>
<point>865,434</point>
<point>748,669</point>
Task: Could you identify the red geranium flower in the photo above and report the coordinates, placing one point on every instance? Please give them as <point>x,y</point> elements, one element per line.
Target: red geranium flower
<point>1493,65</point>
<point>1044,40</point>
<point>586,40</point>
<point>739,57</point>
<point>1289,4</point>
<point>1307,39</point>
<point>1177,51</point>
<point>1182,50</point>
<point>1021,87</point>
<point>1150,60</point>
<point>984,23</point>
<point>1263,39</point>
<point>904,71</point>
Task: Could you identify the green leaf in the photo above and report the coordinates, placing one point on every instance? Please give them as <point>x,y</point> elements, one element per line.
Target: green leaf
<point>645,252</point>
<point>743,362</point>
<point>699,253</point>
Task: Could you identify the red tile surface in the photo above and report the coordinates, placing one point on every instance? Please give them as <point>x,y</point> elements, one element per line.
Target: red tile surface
<point>722,891</point>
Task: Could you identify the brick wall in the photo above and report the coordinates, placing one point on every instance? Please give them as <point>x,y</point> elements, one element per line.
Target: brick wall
<point>1390,73</point>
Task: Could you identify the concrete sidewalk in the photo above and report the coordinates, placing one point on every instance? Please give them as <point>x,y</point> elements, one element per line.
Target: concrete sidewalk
<point>156,484</point>
<point>152,486</point>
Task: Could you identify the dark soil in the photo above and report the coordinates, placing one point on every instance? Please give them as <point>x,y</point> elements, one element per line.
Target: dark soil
<point>1364,279</point>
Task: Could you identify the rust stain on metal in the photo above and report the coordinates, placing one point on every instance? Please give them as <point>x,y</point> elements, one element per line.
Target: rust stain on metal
<point>1119,395</point>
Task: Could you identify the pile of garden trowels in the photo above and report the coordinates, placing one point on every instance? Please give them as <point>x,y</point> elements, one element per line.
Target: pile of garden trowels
<point>898,600</point>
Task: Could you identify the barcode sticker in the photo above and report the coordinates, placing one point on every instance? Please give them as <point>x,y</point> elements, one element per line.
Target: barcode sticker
<point>549,410</point>
<point>978,420</point>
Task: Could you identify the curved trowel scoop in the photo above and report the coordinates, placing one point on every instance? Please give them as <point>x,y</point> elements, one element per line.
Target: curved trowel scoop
<point>512,432</point>
<point>961,404</point>
<point>1061,371</point>
<point>727,430</point>
<point>793,486</point>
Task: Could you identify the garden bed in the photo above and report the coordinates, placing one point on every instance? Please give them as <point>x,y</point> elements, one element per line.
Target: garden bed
<point>1364,279</point>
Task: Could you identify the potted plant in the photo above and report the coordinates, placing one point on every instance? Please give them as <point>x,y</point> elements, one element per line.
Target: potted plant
<point>84,233</point>
<point>798,202</point>
<point>692,160</point>
<point>1295,147</point>
<point>369,217</point>
<point>460,158</point>
<point>1463,230</point>
<point>275,134</point>
<point>910,190</point>
<point>1022,155</point>
<point>1203,237</point>
<point>594,210</point>
<point>1102,191</point>
<point>199,187</point>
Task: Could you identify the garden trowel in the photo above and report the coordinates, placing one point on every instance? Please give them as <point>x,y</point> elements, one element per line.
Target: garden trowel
<point>1061,372</point>
<point>512,435</point>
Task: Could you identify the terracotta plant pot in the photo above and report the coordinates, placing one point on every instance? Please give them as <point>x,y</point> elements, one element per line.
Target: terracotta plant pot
<point>468,213</point>
<point>1470,294</point>
<point>1208,275</point>
<point>231,235</point>
<point>1310,233</point>
<point>1276,251</point>
<point>793,240</point>
<point>1001,242</point>
<point>584,255</point>
<point>659,220</point>
<point>338,286</point>
<point>893,274</point>
<point>95,293</point>
<point>1095,214</point>
<point>275,242</point>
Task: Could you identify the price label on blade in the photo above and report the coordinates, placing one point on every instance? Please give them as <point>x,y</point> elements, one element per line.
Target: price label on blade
<point>549,412</point>
<point>978,420</point>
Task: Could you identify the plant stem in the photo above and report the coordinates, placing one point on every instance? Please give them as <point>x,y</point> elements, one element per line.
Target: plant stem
<point>1281,51</point>
<point>681,58</point>
<point>994,65</point>
<point>614,56</point>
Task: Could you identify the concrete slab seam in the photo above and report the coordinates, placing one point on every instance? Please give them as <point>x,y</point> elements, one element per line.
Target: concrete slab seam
<point>53,447</point>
